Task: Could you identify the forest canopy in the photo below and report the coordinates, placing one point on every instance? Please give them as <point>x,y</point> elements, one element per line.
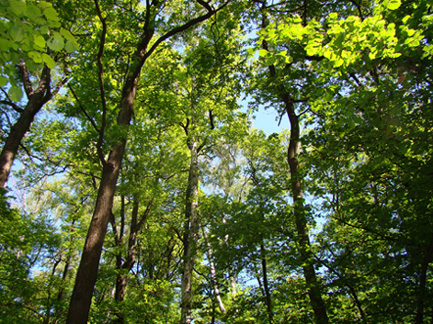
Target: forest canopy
<point>135,189</point>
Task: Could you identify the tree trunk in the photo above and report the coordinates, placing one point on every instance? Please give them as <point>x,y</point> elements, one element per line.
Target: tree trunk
<point>190,237</point>
<point>36,100</point>
<point>213,273</point>
<point>307,258</point>
<point>122,278</point>
<point>88,269</point>
<point>266,284</point>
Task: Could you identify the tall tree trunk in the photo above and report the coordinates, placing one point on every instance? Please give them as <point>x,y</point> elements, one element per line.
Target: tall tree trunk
<point>88,269</point>
<point>36,100</point>
<point>303,240</point>
<point>304,245</point>
<point>190,238</point>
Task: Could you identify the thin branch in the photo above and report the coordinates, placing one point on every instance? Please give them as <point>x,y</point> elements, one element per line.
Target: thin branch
<point>14,106</point>
<point>83,110</point>
<point>175,31</point>
<point>101,82</point>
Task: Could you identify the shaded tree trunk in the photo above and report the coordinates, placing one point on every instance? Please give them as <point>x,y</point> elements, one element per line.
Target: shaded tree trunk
<point>304,245</point>
<point>303,240</point>
<point>266,284</point>
<point>423,279</point>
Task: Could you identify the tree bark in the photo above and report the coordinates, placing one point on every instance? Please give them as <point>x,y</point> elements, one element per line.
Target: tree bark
<point>190,238</point>
<point>303,240</point>
<point>122,278</point>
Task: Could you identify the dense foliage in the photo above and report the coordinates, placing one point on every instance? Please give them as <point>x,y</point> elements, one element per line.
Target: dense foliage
<point>141,193</point>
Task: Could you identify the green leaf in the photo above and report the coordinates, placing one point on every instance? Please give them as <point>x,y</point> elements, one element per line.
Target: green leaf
<point>56,42</point>
<point>40,41</point>
<point>48,61</point>
<point>3,81</point>
<point>51,14</point>
<point>393,4</point>
<point>15,93</point>
<point>263,52</point>
<point>17,33</point>
<point>17,7</point>
<point>71,46</point>
<point>251,51</point>
<point>36,57</point>
<point>67,35</point>
<point>33,11</point>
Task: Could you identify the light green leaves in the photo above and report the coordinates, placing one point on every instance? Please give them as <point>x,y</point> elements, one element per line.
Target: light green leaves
<point>56,42</point>
<point>15,93</point>
<point>48,61</point>
<point>51,14</point>
<point>393,4</point>
<point>27,31</point>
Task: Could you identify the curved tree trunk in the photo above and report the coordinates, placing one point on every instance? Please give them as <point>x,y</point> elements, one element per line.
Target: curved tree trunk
<point>304,245</point>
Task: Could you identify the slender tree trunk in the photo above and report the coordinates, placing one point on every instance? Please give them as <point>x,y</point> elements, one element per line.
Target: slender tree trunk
<point>266,284</point>
<point>190,237</point>
<point>213,273</point>
<point>36,100</point>
<point>122,278</point>
<point>304,245</point>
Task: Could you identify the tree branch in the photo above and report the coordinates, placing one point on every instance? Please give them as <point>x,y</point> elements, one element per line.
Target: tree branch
<point>26,79</point>
<point>14,106</point>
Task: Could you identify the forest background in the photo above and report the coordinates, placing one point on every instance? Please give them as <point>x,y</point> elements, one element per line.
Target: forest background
<point>141,193</point>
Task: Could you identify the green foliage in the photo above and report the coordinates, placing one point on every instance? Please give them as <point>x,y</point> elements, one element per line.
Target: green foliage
<point>30,31</point>
<point>359,75</point>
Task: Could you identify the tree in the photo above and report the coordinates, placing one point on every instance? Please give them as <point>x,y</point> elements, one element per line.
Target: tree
<point>33,39</point>
<point>87,271</point>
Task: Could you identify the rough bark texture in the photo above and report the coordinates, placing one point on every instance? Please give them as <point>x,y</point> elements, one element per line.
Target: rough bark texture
<point>36,99</point>
<point>190,237</point>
